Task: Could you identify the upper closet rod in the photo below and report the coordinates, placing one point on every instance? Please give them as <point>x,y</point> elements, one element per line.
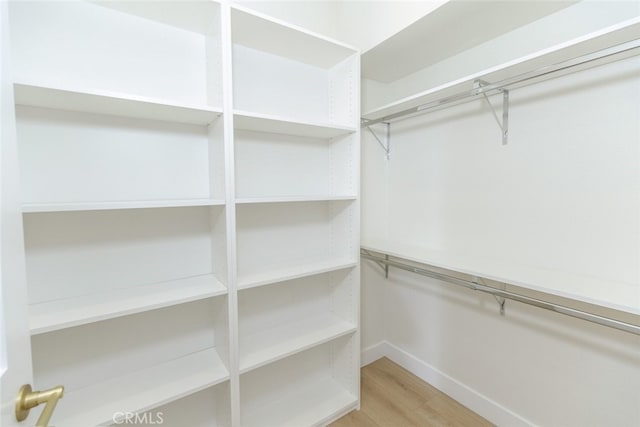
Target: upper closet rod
<point>384,260</point>
<point>491,88</point>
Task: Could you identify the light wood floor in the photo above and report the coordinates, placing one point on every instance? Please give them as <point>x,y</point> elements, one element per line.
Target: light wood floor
<point>393,397</point>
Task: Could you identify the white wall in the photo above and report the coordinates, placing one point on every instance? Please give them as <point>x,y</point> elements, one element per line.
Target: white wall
<point>562,197</point>
<point>529,367</point>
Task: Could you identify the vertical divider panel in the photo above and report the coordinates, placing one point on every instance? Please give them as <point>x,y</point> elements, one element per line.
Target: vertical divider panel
<point>213,46</point>
<point>350,85</point>
<point>230,207</point>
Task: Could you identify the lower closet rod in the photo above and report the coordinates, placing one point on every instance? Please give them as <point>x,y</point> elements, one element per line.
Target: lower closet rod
<point>568,311</point>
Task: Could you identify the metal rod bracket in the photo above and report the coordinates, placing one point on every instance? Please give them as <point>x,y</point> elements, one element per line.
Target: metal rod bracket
<point>384,267</point>
<point>386,145</point>
<point>504,123</point>
<point>500,300</point>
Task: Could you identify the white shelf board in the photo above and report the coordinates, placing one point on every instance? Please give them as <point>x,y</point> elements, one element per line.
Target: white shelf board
<point>133,204</point>
<point>141,391</point>
<point>111,103</point>
<point>623,32</point>
<point>314,402</point>
<point>592,290</point>
<point>292,273</point>
<point>59,314</point>
<point>291,199</point>
<point>437,36</point>
<point>262,32</point>
<point>195,16</point>
<point>244,120</point>
<point>285,340</point>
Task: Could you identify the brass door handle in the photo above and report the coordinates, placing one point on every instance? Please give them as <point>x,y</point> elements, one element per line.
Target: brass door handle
<point>28,399</point>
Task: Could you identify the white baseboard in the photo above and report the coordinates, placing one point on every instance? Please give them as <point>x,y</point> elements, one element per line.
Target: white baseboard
<point>373,353</point>
<point>467,396</point>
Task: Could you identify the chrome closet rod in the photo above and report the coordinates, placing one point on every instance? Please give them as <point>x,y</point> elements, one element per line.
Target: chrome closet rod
<point>492,88</point>
<point>567,311</point>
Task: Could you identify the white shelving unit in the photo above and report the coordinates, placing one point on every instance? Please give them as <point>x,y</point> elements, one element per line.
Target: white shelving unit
<point>296,152</point>
<point>176,159</point>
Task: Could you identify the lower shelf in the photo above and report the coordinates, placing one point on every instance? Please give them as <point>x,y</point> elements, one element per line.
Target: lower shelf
<point>268,346</point>
<point>312,403</point>
<point>141,391</point>
<point>206,408</point>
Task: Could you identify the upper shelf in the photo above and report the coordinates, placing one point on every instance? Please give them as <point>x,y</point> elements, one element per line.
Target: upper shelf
<point>624,32</point>
<point>196,16</point>
<point>115,104</point>
<point>437,36</point>
<point>261,32</point>
<point>278,124</point>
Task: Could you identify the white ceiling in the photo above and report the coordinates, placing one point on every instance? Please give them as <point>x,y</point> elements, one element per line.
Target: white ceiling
<point>450,29</point>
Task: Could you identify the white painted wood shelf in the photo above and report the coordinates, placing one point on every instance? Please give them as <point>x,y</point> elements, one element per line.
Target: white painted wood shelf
<point>256,122</point>
<point>110,103</point>
<point>277,37</point>
<point>60,314</point>
<point>624,32</point>
<point>592,290</point>
<point>268,346</point>
<point>114,205</point>
<point>291,199</point>
<point>292,273</point>
<point>310,403</point>
<point>140,391</point>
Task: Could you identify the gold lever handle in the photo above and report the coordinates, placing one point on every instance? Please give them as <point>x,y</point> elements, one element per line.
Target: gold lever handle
<point>28,399</point>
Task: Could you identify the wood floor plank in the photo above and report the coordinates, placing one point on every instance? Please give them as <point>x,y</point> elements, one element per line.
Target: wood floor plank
<point>355,419</point>
<point>394,397</point>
